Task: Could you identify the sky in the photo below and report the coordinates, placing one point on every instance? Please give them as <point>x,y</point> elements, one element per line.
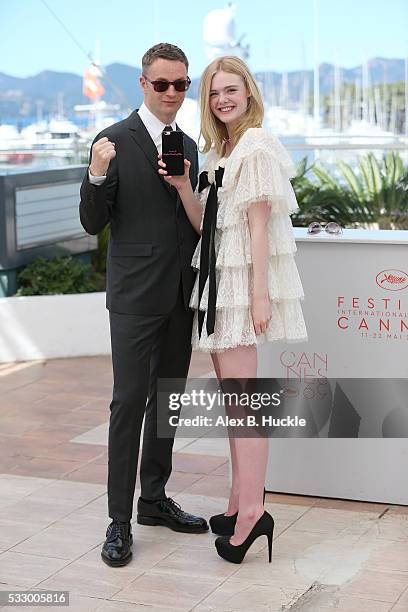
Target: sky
<point>280,33</point>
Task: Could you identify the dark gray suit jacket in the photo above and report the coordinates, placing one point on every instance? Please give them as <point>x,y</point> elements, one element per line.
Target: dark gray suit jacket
<point>151,239</point>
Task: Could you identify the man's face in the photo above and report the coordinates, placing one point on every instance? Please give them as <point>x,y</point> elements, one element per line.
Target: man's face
<point>164,105</point>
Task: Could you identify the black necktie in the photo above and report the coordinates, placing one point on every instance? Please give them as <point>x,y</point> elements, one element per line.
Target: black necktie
<point>207,255</point>
<point>168,128</point>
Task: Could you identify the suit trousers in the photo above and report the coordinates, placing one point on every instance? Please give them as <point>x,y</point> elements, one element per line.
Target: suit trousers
<point>144,349</point>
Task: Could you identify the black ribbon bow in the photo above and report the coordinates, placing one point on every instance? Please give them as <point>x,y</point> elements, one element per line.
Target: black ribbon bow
<point>207,255</point>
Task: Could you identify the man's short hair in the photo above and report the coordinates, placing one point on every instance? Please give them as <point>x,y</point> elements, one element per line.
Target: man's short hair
<point>163,51</point>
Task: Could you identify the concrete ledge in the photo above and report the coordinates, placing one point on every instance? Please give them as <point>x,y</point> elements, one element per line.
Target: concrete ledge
<point>52,326</point>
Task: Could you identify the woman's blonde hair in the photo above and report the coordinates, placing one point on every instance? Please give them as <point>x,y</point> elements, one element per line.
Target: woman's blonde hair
<point>212,129</point>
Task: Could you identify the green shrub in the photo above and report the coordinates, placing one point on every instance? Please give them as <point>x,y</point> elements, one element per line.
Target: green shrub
<point>374,192</point>
<point>58,276</point>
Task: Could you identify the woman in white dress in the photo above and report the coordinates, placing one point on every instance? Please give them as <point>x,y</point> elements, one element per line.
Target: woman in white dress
<point>248,288</point>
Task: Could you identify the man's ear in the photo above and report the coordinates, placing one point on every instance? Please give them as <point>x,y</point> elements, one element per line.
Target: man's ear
<point>142,81</point>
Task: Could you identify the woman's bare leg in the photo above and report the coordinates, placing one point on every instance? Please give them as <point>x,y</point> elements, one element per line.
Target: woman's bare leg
<point>234,491</point>
<point>251,453</point>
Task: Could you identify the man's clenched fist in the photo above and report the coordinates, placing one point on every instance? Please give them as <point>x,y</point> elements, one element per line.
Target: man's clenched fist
<point>102,153</point>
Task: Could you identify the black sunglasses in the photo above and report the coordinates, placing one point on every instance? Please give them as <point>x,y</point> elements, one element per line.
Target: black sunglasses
<point>179,85</point>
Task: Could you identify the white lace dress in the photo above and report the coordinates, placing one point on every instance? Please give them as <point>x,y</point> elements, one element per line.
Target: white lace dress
<point>258,169</point>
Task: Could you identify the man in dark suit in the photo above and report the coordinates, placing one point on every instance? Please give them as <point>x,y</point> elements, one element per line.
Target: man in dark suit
<point>149,282</point>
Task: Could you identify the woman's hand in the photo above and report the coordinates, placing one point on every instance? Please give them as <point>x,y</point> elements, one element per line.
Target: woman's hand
<point>261,311</point>
<point>179,182</point>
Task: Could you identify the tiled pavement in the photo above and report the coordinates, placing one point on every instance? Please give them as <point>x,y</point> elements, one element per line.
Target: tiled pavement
<point>328,554</point>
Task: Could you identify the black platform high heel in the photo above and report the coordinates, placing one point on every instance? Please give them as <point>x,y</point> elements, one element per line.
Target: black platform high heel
<point>225,525</point>
<point>236,554</point>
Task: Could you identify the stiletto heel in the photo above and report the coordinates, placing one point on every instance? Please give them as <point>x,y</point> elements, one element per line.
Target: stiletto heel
<point>236,554</point>
<point>270,545</point>
<point>225,525</point>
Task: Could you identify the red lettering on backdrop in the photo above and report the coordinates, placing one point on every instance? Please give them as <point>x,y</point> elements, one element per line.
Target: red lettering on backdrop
<point>292,362</point>
<point>304,360</point>
<point>383,324</point>
<point>370,302</point>
<point>341,319</point>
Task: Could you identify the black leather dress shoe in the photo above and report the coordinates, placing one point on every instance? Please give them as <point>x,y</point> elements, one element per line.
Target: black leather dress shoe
<point>168,513</point>
<point>116,549</point>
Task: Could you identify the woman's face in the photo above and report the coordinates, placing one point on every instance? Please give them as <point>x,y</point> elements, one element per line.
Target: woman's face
<point>228,97</point>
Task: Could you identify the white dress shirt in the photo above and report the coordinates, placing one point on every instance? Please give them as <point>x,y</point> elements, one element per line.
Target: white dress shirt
<point>155,128</point>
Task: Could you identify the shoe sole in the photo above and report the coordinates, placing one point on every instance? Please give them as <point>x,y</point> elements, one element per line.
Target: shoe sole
<point>151,521</point>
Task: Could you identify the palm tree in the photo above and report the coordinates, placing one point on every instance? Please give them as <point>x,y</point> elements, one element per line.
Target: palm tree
<point>374,194</point>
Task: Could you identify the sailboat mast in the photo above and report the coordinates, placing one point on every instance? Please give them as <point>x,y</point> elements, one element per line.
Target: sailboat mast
<point>337,107</point>
<point>365,87</point>
<point>406,95</point>
<point>316,85</point>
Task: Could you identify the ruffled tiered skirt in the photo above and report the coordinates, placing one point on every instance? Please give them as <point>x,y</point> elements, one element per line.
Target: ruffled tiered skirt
<point>258,170</point>
<point>233,323</point>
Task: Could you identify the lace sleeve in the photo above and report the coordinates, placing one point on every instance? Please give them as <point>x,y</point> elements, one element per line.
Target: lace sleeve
<point>262,178</point>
